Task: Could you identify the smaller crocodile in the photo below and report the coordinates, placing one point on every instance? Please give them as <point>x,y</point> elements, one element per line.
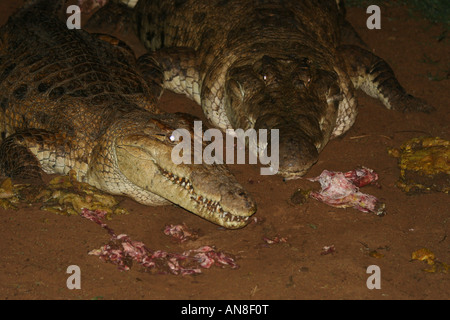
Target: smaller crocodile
<point>71,101</point>
<point>266,64</point>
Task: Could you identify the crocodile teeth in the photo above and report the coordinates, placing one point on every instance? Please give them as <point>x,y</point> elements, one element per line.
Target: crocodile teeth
<point>211,205</point>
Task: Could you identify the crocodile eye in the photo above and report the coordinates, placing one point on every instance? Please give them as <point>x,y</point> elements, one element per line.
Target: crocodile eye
<point>268,70</point>
<point>302,78</point>
<point>270,77</point>
<point>302,82</point>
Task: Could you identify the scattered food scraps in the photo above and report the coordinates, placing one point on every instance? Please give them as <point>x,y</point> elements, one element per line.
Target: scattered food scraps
<point>8,198</point>
<point>66,195</point>
<point>376,254</point>
<point>423,255</point>
<point>180,232</point>
<point>361,177</point>
<point>63,195</point>
<point>6,189</point>
<point>274,240</point>
<point>122,251</point>
<point>428,256</point>
<point>341,190</point>
<point>328,250</point>
<point>424,165</point>
<point>300,196</point>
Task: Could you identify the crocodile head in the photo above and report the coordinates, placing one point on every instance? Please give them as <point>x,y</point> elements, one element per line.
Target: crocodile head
<point>137,162</point>
<point>289,95</point>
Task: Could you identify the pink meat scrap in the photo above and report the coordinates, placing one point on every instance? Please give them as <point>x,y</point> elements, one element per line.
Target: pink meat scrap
<point>328,250</point>
<point>180,232</point>
<point>274,240</point>
<point>122,251</point>
<point>341,190</point>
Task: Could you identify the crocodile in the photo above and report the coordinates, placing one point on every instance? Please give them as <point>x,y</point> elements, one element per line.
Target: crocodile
<point>266,64</point>
<point>76,102</point>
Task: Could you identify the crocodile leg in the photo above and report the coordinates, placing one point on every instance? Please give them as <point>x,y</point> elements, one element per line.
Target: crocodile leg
<point>16,160</point>
<point>375,77</point>
<point>28,153</point>
<point>179,67</point>
<point>183,74</point>
<point>152,72</point>
<point>149,68</point>
<point>121,16</point>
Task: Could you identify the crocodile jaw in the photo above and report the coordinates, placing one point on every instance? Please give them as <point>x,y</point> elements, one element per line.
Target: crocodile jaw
<point>209,191</point>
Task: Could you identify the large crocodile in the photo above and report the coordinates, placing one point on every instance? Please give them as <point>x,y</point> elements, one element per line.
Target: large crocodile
<point>70,101</point>
<point>263,64</point>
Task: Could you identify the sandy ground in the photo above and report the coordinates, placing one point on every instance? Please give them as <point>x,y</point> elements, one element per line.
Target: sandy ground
<point>37,246</point>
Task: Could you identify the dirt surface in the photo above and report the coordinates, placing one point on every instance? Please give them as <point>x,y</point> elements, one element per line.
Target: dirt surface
<point>37,247</point>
